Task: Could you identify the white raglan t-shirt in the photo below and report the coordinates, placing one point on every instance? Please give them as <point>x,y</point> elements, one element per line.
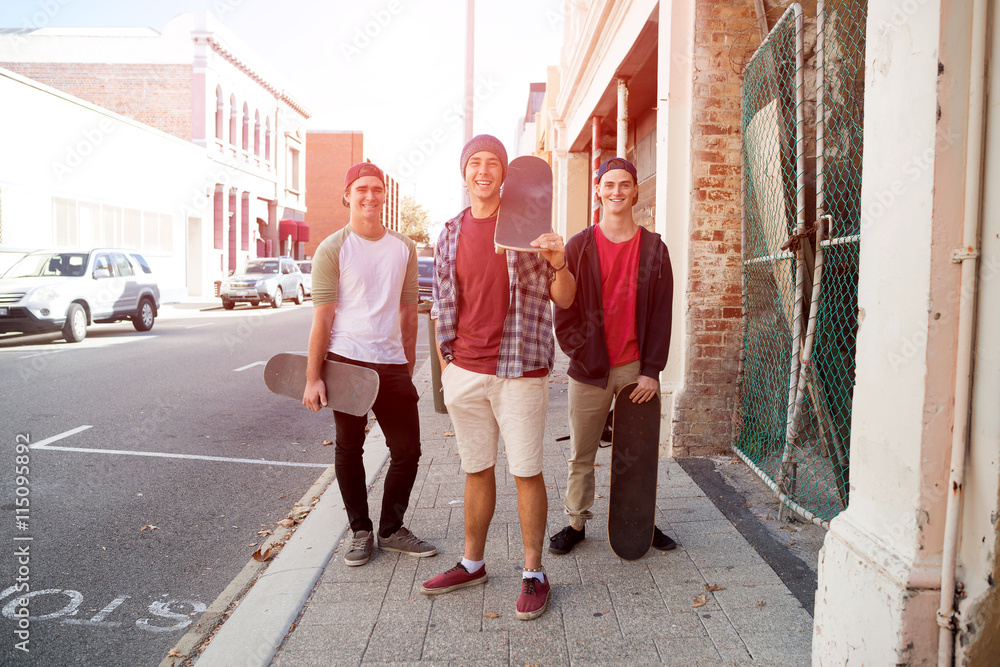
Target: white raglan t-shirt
<point>368,279</point>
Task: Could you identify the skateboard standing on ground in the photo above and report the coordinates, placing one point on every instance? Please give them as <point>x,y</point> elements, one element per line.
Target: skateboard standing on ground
<point>349,388</point>
<point>525,205</point>
<point>634,451</point>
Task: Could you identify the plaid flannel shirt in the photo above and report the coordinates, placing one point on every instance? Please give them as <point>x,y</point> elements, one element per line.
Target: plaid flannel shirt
<point>527,342</point>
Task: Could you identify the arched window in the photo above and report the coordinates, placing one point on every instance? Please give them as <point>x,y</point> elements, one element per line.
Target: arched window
<point>233,121</point>
<point>220,110</point>
<point>267,139</point>
<point>246,127</point>
<point>256,133</point>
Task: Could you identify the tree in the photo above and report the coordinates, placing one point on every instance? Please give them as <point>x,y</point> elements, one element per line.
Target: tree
<point>414,220</point>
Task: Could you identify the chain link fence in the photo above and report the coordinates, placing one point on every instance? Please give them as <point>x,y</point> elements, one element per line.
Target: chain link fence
<point>800,266</point>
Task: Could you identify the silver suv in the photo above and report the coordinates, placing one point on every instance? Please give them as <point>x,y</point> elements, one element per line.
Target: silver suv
<point>266,279</point>
<point>65,290</point>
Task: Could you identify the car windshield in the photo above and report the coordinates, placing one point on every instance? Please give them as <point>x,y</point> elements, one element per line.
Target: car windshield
<point>306,267</point>
<point>49,264</point>
<point>425,269</point>
<point>261,267</point>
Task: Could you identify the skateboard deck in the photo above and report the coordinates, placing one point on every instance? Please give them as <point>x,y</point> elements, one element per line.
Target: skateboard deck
<point>632,498</point>
<point>525,205</point>
<point>351,389</point>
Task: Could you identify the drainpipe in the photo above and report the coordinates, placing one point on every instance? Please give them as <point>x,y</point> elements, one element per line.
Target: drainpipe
<point>622,145</point>
<point>967,256</point>
<point>595,163</point>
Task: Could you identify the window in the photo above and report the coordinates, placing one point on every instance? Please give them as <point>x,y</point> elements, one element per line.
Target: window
<point>267,139</point>
<point>293,169</point>
<point>121,261</point>
<point>233,130</point>
<point>246,127</point>
<point>256,133</point>
<point>220,110</point>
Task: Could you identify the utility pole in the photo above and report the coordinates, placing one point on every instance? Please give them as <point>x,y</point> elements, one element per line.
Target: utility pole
<point>470,53</point>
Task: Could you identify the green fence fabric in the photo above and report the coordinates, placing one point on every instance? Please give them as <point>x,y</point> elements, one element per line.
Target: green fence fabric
<point>800,299</point>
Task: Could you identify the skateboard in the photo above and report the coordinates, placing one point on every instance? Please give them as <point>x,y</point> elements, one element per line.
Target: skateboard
<point>632,498</point>
<point>525,205</point>
<point>349,388</point>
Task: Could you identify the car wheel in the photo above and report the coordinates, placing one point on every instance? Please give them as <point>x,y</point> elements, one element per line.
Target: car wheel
<point>278,297</point>
<point>300,296</point>
<point>227,304</point>
<point>143,319</point>
<point>75,328</point>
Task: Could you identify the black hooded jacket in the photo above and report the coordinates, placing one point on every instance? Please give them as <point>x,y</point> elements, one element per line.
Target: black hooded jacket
<point>580,328</point>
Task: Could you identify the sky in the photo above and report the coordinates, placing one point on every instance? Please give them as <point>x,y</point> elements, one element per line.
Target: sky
<point>394,69</point>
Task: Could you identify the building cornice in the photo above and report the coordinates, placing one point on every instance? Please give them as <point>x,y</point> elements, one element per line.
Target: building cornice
<point>226,54</point>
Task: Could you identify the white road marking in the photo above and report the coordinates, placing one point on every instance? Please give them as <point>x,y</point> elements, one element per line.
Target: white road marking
<point>44,444</point>
<point>256,363</point>
<point>195,326</point>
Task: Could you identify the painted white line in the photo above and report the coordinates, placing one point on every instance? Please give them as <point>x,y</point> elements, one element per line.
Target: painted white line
<point>195,326</point>
<point>256,363</point>
<point>43,443</point>
<point>191,457</point>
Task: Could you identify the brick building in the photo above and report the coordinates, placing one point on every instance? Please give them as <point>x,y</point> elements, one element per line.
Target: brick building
<point>908,571</point>
<point>655,83</point>
<point>331,154</point>
<point>195,81</point>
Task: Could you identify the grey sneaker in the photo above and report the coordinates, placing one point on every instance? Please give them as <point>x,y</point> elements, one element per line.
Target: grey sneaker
<point>361,548</point>
<point>405,542</point>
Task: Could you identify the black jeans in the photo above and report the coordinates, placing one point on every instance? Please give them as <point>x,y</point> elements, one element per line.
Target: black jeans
<point>395,409</point>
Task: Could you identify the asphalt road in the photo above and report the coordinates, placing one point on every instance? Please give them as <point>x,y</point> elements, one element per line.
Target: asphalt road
<point>126,550</point>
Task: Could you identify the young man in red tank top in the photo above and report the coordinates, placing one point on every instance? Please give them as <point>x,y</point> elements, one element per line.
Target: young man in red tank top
<point>616,332</point>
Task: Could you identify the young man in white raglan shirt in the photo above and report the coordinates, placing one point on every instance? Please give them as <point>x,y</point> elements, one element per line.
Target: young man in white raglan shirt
<point>365,313</point>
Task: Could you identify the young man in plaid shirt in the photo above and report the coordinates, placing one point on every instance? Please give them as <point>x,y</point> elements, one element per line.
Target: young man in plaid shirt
<point>495,339</point>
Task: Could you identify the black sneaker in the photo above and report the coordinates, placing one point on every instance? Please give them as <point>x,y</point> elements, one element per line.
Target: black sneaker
<point>567,538</point>
<point>661,541</point>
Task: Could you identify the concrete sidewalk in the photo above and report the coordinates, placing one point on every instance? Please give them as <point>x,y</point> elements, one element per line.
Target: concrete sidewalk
<point>714,600</point>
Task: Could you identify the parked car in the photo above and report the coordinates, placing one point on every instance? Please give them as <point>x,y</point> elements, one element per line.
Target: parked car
<point>266,279</point>
<point>306,267</point>
<point>66,290</point>
<point>425,276</point>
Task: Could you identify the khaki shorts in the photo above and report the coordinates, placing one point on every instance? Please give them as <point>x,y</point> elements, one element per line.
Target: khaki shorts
<point>484,407</point>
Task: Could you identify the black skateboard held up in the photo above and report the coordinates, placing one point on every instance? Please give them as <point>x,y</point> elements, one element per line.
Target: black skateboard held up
<point>635,446</point>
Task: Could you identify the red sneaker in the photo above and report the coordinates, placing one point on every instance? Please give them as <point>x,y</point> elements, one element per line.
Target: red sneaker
<point>453,579</point>
<point>534,598</point>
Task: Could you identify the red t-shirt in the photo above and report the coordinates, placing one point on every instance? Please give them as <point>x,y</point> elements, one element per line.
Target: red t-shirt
<point>619,285</point>
<point>483,296</point>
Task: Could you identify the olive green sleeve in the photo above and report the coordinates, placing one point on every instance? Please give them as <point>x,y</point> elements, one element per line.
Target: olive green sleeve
<point>326,268</point>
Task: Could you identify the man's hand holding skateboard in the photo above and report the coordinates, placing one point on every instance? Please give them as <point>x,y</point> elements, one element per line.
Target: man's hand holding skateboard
<point>552,249</point>
<point>314,396</point>
<point>647,388</point>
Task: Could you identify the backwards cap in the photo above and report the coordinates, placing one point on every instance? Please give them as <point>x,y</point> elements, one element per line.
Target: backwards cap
<point>362,169</point>
<point>617,163</point>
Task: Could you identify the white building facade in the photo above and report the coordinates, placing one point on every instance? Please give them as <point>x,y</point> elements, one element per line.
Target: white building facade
<point>197,82</point>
